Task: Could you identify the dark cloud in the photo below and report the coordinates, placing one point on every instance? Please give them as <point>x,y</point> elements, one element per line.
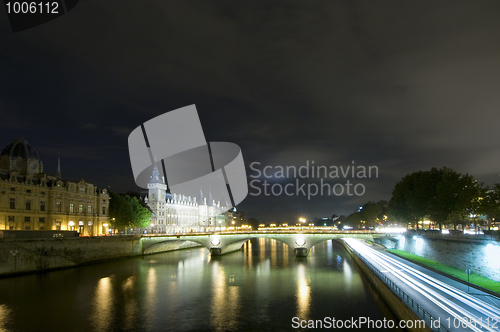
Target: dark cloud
<point>402,85</point>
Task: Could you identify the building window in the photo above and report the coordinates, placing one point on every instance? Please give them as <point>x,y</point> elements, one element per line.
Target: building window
<point>11,228</point>
<point>12,218</point>
<point>42,206</point>
<point>58,225</point>
<point>103,210</point>
<point>12,203</point>
<point>27,219</point>
<point>12,188</point>
<point>27,228</point>
<point>58,207</point>
<point>72,208</point>
<point>42,192</point>
<point>89,209</point>
<point>41,228</point>
<point>28,204</point>
<point>41,219</point>
<point>80,208</point>
<point>28,191</point>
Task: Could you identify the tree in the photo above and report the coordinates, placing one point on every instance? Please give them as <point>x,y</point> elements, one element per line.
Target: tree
<point>342,221</point>
<point>439,194</point>
<point>355,219</point>
<point>489,204</point>
<point>120,211</point>
<point>399,207</point>
<point>127,212</point>
<point>141,215</point>
<point>457,196</point>
<point>254,223</point>
<point>370,213</point>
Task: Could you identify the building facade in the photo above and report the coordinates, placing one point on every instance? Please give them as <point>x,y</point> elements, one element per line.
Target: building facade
<point>173,213</point>
<point>33,200</point>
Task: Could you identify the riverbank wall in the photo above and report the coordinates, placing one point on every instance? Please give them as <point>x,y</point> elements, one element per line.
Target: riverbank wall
<point>24,256</point>
<point>478,253</point>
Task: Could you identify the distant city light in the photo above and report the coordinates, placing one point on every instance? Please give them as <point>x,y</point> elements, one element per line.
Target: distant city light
<point>473,231</point>
<point>391,230</point>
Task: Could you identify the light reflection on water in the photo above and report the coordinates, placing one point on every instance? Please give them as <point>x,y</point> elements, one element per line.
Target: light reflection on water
<point>303,293</point>
<point>103,304</point>
<point>225,301</point>
<point>259,288</point>
<point>131,308</point>
<point>151,295</point>
<point>4,314</point>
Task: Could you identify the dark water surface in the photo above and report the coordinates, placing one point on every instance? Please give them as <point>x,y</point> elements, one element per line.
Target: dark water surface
<point>260,288</point>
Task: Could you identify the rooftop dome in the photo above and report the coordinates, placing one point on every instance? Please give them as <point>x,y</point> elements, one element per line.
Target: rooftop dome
<point>20,148</point>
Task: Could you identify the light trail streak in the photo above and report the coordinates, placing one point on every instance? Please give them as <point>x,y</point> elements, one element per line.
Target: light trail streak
<point>459,305</point>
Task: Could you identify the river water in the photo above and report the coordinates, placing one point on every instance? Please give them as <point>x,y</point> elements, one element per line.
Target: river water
<point>260,288</point>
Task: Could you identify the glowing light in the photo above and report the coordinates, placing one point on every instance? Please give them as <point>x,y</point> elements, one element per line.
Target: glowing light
<point>215,241</point>
<point>472,231</point>
<point>300,241</point>
<point>491,254</point>
<point>445,231</point>
<point>419,244</point>
<point>392,230</point>
<point>402,240</point>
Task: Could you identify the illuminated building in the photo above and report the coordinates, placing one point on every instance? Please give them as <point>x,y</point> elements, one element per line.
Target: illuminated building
<point>33,200</point>
<point>180,213</point>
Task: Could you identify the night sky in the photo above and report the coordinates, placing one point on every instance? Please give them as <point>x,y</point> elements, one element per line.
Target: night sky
<point>402,85</point>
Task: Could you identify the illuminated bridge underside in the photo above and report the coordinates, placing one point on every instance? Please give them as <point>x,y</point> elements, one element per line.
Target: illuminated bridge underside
<point>222,243</point>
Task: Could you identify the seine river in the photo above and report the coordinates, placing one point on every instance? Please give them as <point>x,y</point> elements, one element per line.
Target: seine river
<point>261,288</point>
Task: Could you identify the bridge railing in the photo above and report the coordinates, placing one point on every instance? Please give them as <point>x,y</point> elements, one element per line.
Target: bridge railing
<point>414,305</point>
<point>277,231</point>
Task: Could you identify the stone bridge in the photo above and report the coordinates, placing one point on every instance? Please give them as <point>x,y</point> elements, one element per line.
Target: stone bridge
<point>223,242</point>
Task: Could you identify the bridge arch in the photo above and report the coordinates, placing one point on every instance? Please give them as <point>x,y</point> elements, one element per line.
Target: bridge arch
<point>222,243</point>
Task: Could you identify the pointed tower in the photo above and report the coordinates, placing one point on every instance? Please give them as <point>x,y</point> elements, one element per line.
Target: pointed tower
<point>210,199</point>
<point>201,199</point>
<point>58,173</point>
<point>156,199</point>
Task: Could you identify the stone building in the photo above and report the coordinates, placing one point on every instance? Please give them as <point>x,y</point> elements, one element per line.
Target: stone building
<point>174,213</point>
<point>33,200</point>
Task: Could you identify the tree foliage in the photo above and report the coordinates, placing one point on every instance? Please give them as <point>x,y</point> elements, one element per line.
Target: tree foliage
<point>441,195</point>
<point>370,213</point>
<point>355,219</point>
<point>254,223</point>
<point>127,212</point>
<point>489,204</point>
